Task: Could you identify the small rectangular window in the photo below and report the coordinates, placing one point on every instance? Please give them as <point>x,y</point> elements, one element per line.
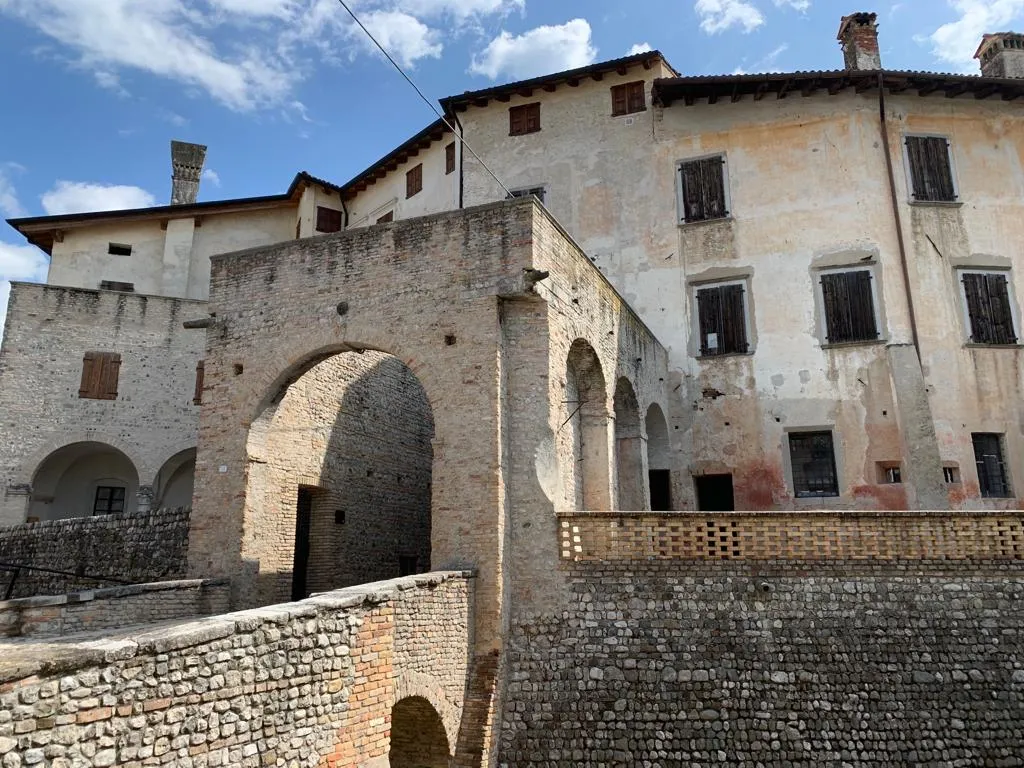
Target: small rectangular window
<point>389,216</point>
<point>197,395</point>
<point>537,192</point>
<point>989,307</point>
<point>988,456</point>
<point>702,187</point>
<point>722,319</point>
<point>109,500</point>
<point>327,219</point>
<point>951,475</point>
<point>100,372</point>
<point>114,285</point>
<point>407,565</point>
<point>889,473</point>
<point>524,119</point>
<point>414,181</point>
<point>849,305</point>
<point>931,172</point>
<point>119,249</point>
<point>628,98</point>
<point>814,464</point>
<point>449,158</point>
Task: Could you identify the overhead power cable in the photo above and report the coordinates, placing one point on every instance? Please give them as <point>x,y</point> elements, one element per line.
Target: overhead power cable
<point>426,101</point>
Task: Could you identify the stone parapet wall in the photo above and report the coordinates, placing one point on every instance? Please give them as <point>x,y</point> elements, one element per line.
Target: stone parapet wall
<point>92,610</point>
<point>307,683</point>
<point>811,535</point>
<point>668,663</point>
<point>133,548</point>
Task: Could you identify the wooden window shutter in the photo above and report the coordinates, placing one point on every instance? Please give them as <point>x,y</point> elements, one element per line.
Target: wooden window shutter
<point>100,371</point>
<point>197,396</point>
<point>1002,314</point>
<point>931,172</point>
<point>703,184</point>
<point>389,216</point>
<point>327,219</point>
<point>414,181</point>
<point>90,373</point>
<point>849,306</point>
<point>533,117</point>
<point>516,121</point>
<point>734,323</point>
<point>111,372</point>
<point>636,97</point>
<point>620,100</point>
<point>988,308</point>
<point>722,320</point>
<point>449,158</point>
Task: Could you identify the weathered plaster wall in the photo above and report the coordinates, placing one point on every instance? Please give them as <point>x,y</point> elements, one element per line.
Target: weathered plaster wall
<point>48,331</point>
<point>82,261</point>
<point>724,663</point>
<point>356,430</point>
<point>135,548</point>
<point>310,683</point>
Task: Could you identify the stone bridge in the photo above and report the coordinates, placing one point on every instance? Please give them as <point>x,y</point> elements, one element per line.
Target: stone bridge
<point>364,676</point>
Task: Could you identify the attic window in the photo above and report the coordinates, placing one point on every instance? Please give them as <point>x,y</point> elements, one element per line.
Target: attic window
<point>628,98</point>
<point>327,219</point>
<point>414,181</point>
<point>119,249</point>
<point>524,119</point>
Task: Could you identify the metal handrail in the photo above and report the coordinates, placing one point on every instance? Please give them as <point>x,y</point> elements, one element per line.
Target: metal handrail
<point>17,568</point>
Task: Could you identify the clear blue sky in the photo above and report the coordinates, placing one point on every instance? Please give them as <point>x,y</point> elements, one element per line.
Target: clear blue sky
<point>93,90</point>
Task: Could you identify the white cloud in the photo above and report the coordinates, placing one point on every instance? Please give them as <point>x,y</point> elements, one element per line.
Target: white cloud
<point>280,8</point>
<point>9,203</point>
<point>403,36</point>
<point>639,48</point>
<point>460,9</point>
<point>719,15</point>
<point>18,262</point>
<point>211,176</point>
<point>797,5</point>
<point>78,196</point>
<point>957,41</point>
<point>535,52</point>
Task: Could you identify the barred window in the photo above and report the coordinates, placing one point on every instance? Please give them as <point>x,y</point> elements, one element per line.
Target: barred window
<point>702,189</point>
<point>931,171</point>
<point>722,319</point>
<point>814,464</point>
<point>988,456</point>
<point>988,307</point>
<point>849,306</point>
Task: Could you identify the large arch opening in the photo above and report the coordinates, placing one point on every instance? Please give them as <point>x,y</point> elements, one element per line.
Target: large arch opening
<point>659,458</point>
<point>418,739</point>
<point>339,477</point>
<point>175,481</point>
<point>629,448</point>
<point>586,400</point>
<point>83,479</point>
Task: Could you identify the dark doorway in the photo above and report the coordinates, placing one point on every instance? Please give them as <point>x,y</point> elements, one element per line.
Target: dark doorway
<point>661,489</point>
<point>303,520</point>
<point>714,493</point>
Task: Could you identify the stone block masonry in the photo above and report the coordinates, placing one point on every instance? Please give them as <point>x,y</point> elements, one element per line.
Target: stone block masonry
<point>305,684</point>
<point>666,663</point>
<point>137,548</point>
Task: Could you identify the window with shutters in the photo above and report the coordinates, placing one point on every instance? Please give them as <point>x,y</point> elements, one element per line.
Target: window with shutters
<point>109,500</point>
<point>414,181</point>
<point>930,166</point>
<point>988,456</point>
<point>848,305</point>
<point>524,119</point>
<point>327,219</point>
<point>537,192</point>
<point>449,158</point>
<point>628,98</point>
<point>99,375</point>
<point>989,306</point>
<point>813,461</point>
<point>722,318</point>
<point>702,189</point>
<point>197,395</point>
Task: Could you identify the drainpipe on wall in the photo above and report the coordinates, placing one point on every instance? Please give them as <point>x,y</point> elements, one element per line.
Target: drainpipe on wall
<point>462,155</point>
<point>344,211</point>
<point>896,214</point>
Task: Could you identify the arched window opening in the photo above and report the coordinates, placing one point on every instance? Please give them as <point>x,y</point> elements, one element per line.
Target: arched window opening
<point>586,400</point>
<point>83,479</point>
<point>339,481</point>
<point>176,480</point>
<point>418,738</point>
<point>629,448</point>
<point>658,460</point>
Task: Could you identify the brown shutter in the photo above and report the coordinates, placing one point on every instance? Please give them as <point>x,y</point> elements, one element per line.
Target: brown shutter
<point>449,158</point>
<point>111,371</point>
<point>516,121</point>
<point>975,291</point>
<point>533,117</point>
<point>90,372</point>
<point>327,219</point>
<point>637,99</point>
<point>849,306</point>
<point>414,181</point>
<point>931,173</point>
<point>620,100</point>
<point>389,216</point>
<point>197,396</point>
<point>703,189</point>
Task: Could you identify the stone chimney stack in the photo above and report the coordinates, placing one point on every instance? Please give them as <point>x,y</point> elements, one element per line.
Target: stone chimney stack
<point>858,36</point>
<point>1001,55</point>
<point>186,168</point>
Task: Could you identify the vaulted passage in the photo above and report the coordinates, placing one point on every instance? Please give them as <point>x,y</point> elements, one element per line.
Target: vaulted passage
<point>83,479</point>
<point>587,403</point>
<point>418,739</point>
<point>629,448</point>
<point>339,479</point>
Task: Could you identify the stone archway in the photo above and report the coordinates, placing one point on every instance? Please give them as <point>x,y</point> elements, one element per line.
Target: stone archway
<point>629,449</point>
<point>418,738</point>
<point>83,479</point>
<point>659,460</point>
<point>587,403</point>
<point>175,480</point>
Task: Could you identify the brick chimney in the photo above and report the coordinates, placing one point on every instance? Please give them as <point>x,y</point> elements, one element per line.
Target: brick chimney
<point>186,168</point>
<point>1001,55</point>
<point>858,36</point>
